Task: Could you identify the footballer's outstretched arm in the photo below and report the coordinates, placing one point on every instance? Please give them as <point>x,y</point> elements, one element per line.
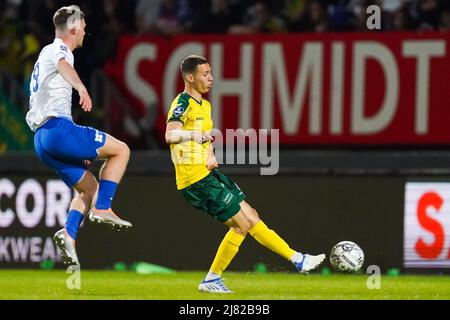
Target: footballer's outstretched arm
<point>71,76</point>
<point>175,134</point>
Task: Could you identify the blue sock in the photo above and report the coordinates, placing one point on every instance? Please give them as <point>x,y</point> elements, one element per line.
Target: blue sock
<point>73,223</point>
<point>106,192</point>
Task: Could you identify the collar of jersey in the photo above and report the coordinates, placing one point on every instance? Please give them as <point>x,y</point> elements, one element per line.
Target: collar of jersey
<point>199,102</point>
<point>59,40</point>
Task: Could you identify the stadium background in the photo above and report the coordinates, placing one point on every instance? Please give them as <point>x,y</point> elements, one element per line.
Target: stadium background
<point>361,113</point>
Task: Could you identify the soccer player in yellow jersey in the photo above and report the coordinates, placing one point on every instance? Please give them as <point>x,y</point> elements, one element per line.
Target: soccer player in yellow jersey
<point>188,130</point>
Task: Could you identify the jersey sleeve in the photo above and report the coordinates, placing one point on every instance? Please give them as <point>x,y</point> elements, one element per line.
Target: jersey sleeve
<point>60,52</point>
<point>178,111</point>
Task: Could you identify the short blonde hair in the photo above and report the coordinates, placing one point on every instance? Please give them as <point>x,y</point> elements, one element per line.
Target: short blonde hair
<point>61,18</point>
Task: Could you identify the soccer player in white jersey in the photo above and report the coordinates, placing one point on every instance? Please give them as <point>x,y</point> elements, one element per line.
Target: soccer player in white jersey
<point>68,148</point>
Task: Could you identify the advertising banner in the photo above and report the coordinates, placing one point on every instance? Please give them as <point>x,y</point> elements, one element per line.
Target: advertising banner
<point>427,225</point>
<point>31,212</point>
<point>317,89</point>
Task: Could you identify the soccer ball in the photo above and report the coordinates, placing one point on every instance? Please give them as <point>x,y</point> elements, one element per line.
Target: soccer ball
<point>347,257</point>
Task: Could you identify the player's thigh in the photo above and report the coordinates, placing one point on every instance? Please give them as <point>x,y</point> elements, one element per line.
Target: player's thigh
<point>239,220</point>
<point>113,147</point>
<point>245,219</point>
<point>249,211</point>
<point>70,171</point>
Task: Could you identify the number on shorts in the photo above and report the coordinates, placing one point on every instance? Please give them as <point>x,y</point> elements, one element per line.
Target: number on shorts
<point>98,136</point>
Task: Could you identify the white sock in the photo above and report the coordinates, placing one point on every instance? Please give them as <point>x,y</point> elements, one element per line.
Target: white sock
<point>296,257</point>
<point>211,276</point>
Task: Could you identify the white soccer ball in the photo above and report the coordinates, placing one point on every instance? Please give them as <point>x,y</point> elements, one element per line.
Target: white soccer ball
<point>347,256</point>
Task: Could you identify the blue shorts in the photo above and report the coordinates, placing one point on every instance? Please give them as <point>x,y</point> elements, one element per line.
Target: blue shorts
<point>63,146</point>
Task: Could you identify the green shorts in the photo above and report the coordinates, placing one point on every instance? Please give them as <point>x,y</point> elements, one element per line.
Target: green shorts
<point>216,194</point>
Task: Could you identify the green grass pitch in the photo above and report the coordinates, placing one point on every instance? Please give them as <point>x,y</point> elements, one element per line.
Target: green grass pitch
<point>45,285</point>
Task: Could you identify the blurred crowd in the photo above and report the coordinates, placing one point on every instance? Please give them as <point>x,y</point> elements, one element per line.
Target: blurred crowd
<point>26,25</point>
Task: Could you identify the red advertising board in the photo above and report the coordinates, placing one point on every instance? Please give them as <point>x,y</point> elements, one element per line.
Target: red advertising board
<point>426,228</point>
<point>323,89</point>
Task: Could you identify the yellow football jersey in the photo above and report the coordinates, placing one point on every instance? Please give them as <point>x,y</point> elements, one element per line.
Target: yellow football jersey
<point>189,158</point>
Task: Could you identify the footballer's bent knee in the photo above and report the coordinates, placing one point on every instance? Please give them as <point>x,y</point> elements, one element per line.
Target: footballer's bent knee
<point>254,214</point>
<point>252,217</point>
<point>240,230</point>
<point>241,227</point>
<point>124,150</point>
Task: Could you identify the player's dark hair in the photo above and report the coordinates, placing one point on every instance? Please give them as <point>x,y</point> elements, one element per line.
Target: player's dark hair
<point>62,16</point>
<point>190,63</point>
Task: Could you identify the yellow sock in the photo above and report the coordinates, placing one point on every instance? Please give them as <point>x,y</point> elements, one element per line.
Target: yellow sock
<point>269,239</point>
<point>226,252</point>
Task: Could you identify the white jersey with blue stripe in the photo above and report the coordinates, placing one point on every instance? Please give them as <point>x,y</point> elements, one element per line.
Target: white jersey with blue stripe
<point>50,94</point>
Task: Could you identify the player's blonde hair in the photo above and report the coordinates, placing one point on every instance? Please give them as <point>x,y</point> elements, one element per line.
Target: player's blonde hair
<point>66,18</point>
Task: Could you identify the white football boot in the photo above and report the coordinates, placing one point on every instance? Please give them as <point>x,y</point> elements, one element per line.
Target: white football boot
<point>309,262</point>
<point>214,286</point>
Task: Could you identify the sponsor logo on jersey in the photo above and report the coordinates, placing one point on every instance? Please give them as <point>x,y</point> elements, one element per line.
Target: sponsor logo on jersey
<point>178,111</point>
